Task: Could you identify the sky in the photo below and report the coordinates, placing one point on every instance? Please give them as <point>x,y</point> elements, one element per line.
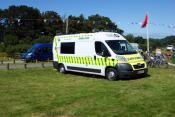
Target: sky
<point>122,12</point>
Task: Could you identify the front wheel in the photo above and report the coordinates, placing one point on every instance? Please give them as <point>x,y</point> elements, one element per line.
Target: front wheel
<point>62,69</point>
<point>111,74</point>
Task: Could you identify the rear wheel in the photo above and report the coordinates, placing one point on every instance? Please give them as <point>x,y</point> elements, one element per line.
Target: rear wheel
<point>111,74</point>
<point>62,69</point>
<point>55,65</point>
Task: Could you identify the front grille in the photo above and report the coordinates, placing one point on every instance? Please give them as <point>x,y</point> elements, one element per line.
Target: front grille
<point>139,66</point>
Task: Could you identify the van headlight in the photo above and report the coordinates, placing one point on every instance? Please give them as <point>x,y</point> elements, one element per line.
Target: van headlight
<point>29,54</point>
<point>121,58</point>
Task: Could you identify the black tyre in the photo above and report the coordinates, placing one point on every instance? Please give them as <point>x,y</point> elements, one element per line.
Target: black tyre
<point>111,74</point>
<point>55,65</point>
<point>62,69</point>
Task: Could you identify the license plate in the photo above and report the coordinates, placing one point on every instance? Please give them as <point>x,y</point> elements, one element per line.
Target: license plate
<point>140,72</point>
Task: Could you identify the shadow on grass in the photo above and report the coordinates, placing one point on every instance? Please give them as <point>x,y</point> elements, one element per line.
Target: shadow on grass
<point>104,78</point>
<point>86,75</point>
<point>136,77</point>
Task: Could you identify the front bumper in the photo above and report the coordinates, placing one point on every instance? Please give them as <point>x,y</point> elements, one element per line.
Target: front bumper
<point>126,71</point>
<point>134,73</point>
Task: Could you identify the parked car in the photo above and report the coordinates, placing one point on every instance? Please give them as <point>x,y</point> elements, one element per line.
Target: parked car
<point>170,47</point>
<point>38,51</point>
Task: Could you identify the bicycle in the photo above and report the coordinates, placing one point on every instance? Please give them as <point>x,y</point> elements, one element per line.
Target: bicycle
<point>158,61</point>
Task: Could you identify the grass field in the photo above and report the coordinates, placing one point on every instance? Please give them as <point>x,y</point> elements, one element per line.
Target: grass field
<point>44,92</point>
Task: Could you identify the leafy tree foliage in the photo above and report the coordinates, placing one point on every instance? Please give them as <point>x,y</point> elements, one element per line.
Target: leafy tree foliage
<point>21,26</point>
<point>154,43</point>
<point>102,23</point>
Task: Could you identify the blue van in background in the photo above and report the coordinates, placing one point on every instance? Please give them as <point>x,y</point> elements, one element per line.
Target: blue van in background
<point>38,51</point>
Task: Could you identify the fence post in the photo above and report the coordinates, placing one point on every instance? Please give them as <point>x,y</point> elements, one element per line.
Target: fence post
<point>8,66</point>
<point>25,66</point>
<point>14,61</point>
<point>1,61</point>
<point>42,64</point>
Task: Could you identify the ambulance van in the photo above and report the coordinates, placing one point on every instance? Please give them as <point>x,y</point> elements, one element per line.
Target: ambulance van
<point>101,53</point>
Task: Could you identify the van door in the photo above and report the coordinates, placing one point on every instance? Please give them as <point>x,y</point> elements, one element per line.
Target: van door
<point>94,57</point>
<point>38,53</point>
<point>101,50</point>
<point>47,53</point>
<point>101,56</point>
<point>85,57</point>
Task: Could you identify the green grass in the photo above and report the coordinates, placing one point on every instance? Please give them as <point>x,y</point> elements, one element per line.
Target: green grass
<point>44,92</point>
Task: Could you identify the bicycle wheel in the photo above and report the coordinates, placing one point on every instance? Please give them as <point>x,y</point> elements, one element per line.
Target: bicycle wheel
<point>151,64</point>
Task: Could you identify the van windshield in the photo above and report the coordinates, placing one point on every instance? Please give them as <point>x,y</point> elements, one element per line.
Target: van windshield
<point>121,47</point>
<point>30,50</point>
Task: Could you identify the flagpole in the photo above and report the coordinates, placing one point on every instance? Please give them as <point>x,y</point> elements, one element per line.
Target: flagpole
<point>146,24</point>
<point>147,37</point>
<point>148,34</point>
<point>67,25</point>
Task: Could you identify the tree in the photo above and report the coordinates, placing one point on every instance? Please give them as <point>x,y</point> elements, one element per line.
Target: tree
<point>98,22</point>
<point>10,40</point>
<point>77,24</point>
<point>53,23</point>
<point>130,38</point>
<point>22,19</point>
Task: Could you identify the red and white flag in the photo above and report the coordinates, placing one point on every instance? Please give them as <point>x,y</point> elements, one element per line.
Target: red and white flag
<point>145,21</point>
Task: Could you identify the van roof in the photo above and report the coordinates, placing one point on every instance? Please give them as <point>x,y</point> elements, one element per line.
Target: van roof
<point>82,36</point>
<point>42,45</point>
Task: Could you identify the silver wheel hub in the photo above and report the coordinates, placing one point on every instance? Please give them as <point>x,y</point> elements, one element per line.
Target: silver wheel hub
<point>111,74</point>
<point>62,69</point>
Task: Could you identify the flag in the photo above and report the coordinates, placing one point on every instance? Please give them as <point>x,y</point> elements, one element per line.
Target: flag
<point>145,21</point>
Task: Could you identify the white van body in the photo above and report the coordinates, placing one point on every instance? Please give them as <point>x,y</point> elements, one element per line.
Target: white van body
<point>78,53</point>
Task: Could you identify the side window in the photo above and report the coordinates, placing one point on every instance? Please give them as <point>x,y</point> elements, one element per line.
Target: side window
<point>46,50</point>
<point>49,49</point>
<point>101,49</point>
<point>68,48</point>
<point>38,50</point>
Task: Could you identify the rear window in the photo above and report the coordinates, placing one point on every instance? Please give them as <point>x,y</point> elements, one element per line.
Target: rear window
<point>68,48</point>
